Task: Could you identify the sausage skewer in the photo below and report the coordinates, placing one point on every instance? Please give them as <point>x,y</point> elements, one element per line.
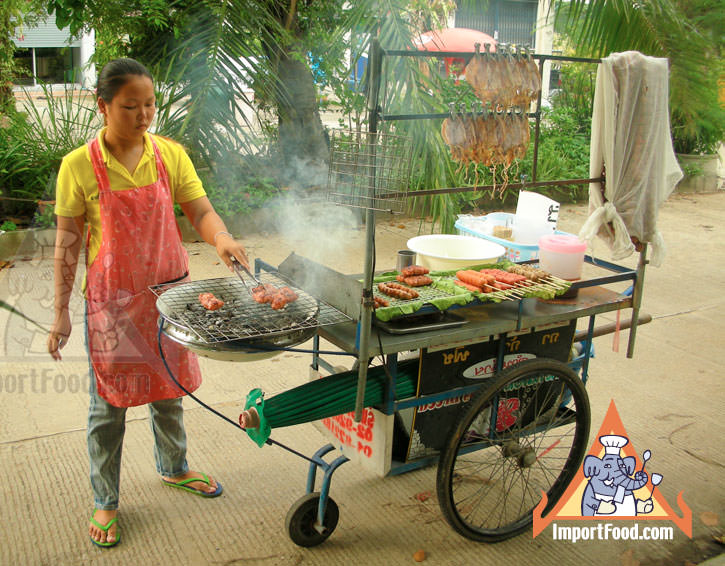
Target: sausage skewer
<point>414,270</point>
<point>397,291</point>
<point>415,280</point>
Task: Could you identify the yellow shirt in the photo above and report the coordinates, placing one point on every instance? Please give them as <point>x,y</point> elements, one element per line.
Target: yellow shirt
<point>77,189</point>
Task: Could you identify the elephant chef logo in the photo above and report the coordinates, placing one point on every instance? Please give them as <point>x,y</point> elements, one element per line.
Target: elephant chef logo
<point>613,483</point>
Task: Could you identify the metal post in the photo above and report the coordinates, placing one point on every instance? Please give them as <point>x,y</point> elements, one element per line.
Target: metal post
<point>637,299</point>
<point>537,126</point>
<point>35,66</point>
<point>366,309</point>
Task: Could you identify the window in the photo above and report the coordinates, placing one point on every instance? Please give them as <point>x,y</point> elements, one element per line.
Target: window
<point>51,65</point>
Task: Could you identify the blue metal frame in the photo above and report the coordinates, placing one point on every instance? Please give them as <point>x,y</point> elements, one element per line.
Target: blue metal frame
<point>318,462</point>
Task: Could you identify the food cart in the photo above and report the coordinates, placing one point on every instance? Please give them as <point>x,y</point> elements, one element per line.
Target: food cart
<point>483,385</point>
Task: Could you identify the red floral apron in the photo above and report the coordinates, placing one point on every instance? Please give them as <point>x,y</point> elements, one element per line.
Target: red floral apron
<point>140,246</point>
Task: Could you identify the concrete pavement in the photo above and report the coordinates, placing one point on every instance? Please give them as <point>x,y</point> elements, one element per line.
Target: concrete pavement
<point>670,397</point>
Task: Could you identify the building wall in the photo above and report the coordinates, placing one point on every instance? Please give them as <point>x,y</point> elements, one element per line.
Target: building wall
<point>55,46</point>
<point>508,21</point>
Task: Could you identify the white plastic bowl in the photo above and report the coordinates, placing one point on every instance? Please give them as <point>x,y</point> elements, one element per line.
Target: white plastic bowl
<point>445,252</point>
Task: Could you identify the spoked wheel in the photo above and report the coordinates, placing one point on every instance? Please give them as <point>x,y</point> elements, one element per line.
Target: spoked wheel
<point>302,516</point>
<point>524,434</point>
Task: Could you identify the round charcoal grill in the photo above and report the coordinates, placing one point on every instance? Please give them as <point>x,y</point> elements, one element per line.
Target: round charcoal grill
<point>242,330</point>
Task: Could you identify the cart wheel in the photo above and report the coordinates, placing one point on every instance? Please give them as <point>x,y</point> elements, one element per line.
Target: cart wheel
<point>302,516</point>
<point>525,433</point>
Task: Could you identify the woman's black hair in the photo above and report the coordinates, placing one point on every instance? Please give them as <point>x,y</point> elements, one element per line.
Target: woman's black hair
<point>115,74</point>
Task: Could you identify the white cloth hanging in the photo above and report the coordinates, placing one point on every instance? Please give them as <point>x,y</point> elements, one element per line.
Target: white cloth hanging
<point>631,143</point>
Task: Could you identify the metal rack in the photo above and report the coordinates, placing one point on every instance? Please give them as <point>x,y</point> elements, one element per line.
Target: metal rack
<point>369,171</point>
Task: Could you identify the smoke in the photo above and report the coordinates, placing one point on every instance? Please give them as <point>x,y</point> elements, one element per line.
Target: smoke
<point>301,174</point>
<point>319,230</point>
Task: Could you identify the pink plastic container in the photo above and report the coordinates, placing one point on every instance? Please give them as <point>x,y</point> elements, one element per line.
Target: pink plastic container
<point>562,255</point>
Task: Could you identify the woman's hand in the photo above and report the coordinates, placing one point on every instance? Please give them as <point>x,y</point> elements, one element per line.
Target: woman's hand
<point>59,334</point>
<point>227,248</point>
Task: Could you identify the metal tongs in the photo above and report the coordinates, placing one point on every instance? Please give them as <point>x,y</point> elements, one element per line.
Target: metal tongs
<point>238,269</point>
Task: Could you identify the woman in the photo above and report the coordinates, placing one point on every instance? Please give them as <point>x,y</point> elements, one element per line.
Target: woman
<point>123,184</point>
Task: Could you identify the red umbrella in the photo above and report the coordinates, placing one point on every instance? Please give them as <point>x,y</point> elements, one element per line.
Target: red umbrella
<point>454,39</point>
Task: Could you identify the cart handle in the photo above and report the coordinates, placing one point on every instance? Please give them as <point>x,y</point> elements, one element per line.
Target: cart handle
<point>611,327</point>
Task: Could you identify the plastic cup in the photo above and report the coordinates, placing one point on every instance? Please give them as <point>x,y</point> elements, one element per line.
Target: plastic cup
<point>562,255</point>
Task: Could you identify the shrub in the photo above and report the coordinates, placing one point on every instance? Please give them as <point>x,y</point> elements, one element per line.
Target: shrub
<point>38,139</point>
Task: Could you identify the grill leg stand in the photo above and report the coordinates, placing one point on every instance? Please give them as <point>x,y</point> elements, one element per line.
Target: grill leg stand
<point>328,469</point>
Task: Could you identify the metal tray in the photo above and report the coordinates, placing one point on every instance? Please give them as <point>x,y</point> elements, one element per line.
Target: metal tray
<point>420,322</point>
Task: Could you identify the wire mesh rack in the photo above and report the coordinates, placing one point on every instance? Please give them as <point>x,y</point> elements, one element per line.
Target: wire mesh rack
<point>241,317</point>
<point>369,171</point>
<point>425,294</point>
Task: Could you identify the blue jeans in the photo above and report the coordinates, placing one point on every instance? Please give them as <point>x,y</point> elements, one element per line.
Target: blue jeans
<point>106,427</point>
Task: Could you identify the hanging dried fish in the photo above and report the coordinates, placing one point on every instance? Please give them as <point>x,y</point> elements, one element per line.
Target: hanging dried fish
<point>483,74</point>
<point>489,138</point>
<point>504,78</point>
<point>535,78</point>
<point>454,134</point>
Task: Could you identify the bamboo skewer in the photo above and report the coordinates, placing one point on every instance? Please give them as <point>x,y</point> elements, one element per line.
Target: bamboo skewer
<point>513,290</point>
<point>558,282</point>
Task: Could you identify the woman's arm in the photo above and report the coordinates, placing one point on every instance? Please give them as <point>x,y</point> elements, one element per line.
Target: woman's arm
<point>213,230</point>
<point>68,239</point>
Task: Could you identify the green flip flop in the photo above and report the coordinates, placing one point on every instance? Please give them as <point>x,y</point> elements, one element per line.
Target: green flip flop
<point>105,528</point>
<point>183,484</point>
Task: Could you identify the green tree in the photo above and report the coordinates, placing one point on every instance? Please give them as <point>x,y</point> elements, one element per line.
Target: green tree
<point>204,53</point>
<point>207,53</point>
<point>13,15</point>
<point>687,32</point>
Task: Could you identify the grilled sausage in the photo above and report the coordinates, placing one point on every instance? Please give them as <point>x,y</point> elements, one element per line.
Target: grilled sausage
<point>397,291</point>
<point>379,302</point>
<point>210,302</point>
<point>289,294</point>
<point>414,270</point>
<point>474,278</point>
<point>417,280</point>
<point>468,286</point>
<point>276,298</point>
<point>505,276</point>
<point>529,272</point>
<point>412,292</point>
<point>279,301</point>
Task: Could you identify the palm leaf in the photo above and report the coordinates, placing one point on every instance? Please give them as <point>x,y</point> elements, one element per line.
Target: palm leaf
<point>659,28</point>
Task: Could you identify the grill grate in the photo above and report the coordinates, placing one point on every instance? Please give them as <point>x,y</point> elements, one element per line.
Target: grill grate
<point>241,317</point>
